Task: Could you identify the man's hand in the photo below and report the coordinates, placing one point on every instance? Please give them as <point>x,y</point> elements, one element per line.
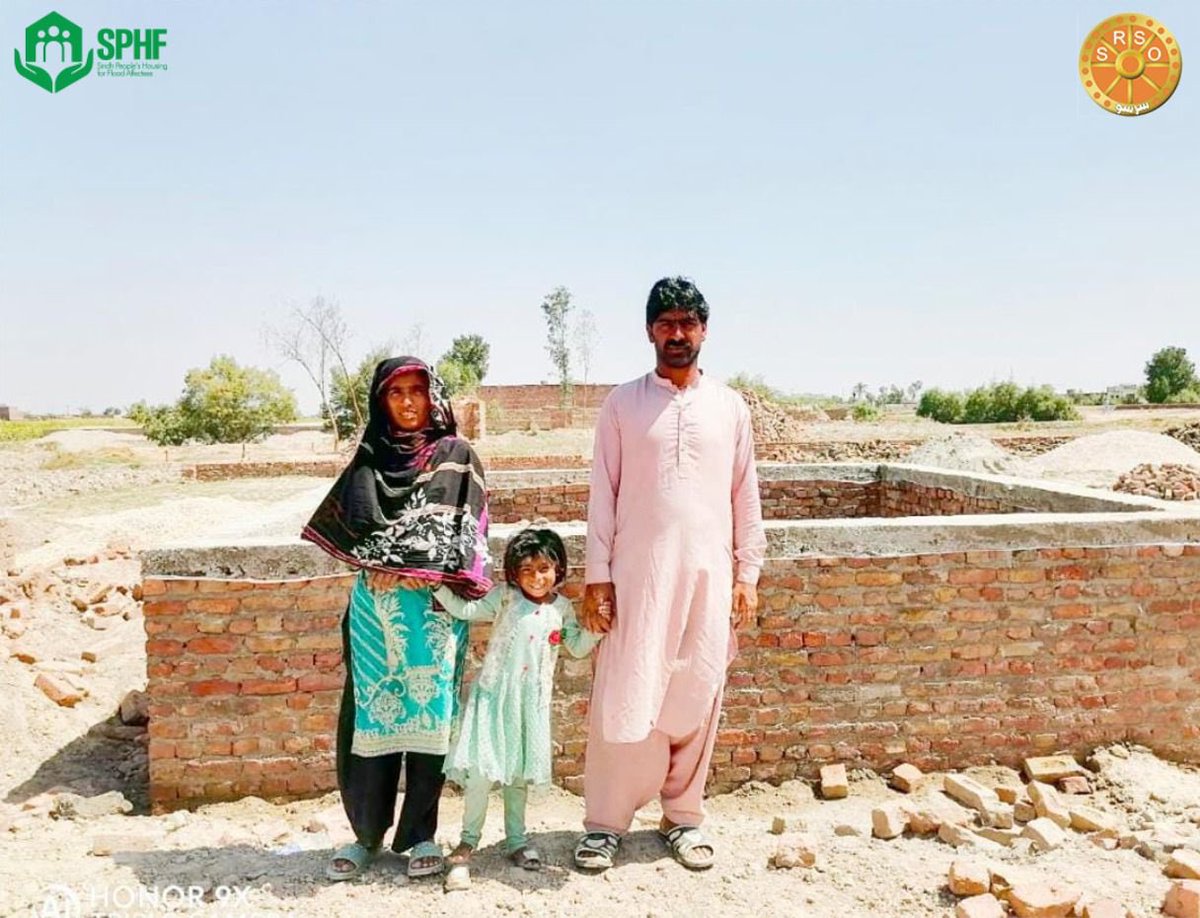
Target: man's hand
<point>599,607</point>
<point>745,605</point>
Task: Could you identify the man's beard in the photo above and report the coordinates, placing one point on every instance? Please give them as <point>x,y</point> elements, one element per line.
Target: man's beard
<point>678,359</point>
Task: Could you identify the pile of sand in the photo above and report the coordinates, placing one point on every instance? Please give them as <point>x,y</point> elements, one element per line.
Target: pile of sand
<point>1099,459</point>
<point>966,453</point>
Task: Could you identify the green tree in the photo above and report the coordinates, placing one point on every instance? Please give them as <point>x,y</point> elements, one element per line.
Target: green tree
<point>944,407</point>
<point>350,393</point>
<point>458,377</point>
<point>227,403</point>
<point>470,352</point>
<point>1169,372</point>
<point>556,307</point>
<point>161,424</point>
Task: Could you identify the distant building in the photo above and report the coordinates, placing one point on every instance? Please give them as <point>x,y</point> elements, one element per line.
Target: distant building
<point>8,413</point>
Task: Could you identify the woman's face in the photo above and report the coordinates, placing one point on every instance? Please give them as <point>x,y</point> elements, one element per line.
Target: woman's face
<point>406,400</point>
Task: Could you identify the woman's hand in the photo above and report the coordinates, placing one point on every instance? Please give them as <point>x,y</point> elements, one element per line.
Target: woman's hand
<point>382,582</point>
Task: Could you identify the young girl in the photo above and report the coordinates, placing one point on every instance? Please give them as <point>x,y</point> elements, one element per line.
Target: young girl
<point>504,734</point>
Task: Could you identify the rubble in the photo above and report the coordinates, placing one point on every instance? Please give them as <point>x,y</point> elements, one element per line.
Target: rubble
<point>74,806</point>
<point>800,851</point>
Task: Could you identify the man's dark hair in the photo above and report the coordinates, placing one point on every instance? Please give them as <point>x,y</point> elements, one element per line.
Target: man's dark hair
<point>535,543</point>
<point>675,293</point>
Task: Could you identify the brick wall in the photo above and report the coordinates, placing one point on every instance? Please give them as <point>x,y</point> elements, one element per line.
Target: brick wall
<point>907,498</point>
<point>244,681</point>
<point>223,471</point>
<point>781,500</point>
<point>944,660</point>
<point>539,407</point>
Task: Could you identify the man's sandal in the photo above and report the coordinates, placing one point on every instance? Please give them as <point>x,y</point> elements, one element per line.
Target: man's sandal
<point>689,846</point>
<point>595,850</point>
<point>357,855</point>
<point>527,856</point>
<point>431,854</point>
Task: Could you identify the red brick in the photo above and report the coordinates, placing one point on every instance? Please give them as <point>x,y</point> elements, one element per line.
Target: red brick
<point>209,645</point>
<point>267,686</point>
<point>212,606</point>
<point>213,687</point>
<point>316,682</point>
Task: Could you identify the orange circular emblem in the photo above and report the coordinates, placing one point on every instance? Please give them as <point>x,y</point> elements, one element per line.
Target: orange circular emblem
<point>1130,64</point>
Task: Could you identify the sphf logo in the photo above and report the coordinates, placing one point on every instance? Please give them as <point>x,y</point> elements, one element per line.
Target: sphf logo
<point>54,50</point>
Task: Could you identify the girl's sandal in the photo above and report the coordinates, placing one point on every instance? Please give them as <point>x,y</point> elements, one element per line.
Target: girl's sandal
<point>527,857</point>
<point>357,855</point>
<point>689,846</point>
<point>595,850</point>
<point>431,854</point>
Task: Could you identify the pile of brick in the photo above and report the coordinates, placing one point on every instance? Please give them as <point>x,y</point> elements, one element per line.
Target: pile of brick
<point>1168,481</point>
<point>772,424</point>
<point>1186,433</point>
<point>103,604</point>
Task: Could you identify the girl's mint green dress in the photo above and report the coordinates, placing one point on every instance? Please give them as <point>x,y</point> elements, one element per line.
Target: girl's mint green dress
<point>504,732</point>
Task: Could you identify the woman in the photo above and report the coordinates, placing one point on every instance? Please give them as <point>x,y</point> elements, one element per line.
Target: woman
<point>409,511</point>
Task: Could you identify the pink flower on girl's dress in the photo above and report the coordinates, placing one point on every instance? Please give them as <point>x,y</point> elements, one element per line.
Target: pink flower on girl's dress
<point>555,637</point>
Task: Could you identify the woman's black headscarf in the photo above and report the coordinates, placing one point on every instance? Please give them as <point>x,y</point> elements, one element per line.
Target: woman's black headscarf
<point>410,503</point>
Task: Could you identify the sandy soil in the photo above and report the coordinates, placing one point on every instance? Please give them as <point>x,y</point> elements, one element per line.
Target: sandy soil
<point>95,510</point>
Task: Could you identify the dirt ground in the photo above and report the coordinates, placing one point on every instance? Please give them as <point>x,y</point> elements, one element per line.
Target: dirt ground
<point>81,503</point>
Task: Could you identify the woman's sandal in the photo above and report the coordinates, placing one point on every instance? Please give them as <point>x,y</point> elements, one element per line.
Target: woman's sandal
<point>595,850</point>
<point>527,856</point>
<point>431,854</point>
<point>357,855</point>
<point>689,846</point>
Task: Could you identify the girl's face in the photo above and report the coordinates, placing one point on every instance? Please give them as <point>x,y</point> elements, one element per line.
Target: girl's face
<point>406,400</point>
<point>536,577</point>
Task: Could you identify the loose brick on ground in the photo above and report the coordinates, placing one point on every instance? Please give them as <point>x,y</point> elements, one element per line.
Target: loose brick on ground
<point>1040,899</point>
<point>906,777</point>
<point>1184,865</point>
<point>1045,834</point>
<point>968,878</point>
<point>834,783</point>
<point>1183,900</point>
<point>985,906</point>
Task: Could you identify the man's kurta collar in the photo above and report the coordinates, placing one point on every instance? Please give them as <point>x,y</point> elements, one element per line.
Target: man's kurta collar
<point>667,384</point>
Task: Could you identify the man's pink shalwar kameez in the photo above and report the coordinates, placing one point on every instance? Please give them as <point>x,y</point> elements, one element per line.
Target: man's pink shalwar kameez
<point>673,516</point>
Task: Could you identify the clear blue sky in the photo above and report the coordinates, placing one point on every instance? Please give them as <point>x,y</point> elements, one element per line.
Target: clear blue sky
<point>864,191</point>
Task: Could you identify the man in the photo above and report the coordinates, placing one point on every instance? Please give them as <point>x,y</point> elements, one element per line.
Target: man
<point>675,543</point>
